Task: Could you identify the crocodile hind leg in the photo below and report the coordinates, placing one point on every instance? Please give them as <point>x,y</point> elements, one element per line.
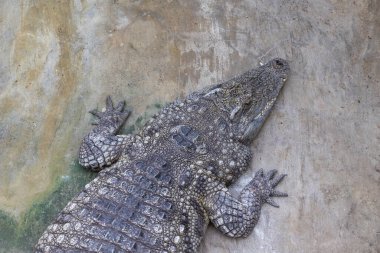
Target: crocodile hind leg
<point>102,147</point>
<point>237,217</point>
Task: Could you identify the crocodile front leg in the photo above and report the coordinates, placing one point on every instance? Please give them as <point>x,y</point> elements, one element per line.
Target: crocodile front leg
<point>102,147</point>
<point>237,217</point>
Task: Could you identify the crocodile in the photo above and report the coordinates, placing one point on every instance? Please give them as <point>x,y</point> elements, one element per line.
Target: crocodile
<point>158,190</point>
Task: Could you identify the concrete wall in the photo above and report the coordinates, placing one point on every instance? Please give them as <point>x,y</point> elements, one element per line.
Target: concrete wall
<point>59,59</point>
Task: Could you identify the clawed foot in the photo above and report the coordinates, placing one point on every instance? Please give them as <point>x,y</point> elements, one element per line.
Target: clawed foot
<point>266,183</point>
<point>114,115</point>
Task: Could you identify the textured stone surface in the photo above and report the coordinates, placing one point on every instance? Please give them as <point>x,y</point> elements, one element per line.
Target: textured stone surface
<point>59,60</point>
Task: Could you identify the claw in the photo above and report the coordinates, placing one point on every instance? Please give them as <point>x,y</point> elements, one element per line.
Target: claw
<point>109,103</point>
<point>260,173</point>
<point>270,174</point>
<point>120,106</point>
<point>126,113</point>
<point>274,182</point>
<point>96,113</point>
<point>272,203</point>
<point>278,194</point>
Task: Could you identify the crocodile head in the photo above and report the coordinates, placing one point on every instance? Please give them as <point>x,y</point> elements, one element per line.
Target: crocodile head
<point>262,86</point>
<point>249,98</point>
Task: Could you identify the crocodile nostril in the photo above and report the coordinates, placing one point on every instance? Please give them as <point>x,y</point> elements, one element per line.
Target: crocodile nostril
<point>279,63</point>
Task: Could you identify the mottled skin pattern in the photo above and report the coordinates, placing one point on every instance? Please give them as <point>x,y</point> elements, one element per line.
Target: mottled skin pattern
<point>157,191</point>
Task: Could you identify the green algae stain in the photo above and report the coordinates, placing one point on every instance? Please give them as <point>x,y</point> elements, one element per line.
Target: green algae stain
<point>7,232</point>
<point>157,105</point>
<point>22,235</point>
<point>142,119</point>
<point>130,130</point>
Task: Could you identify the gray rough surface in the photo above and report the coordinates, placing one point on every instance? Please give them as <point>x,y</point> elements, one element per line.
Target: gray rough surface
<point>324,131</point>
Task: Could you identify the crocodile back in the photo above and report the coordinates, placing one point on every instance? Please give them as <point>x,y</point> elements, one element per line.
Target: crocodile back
<point>122,210</point>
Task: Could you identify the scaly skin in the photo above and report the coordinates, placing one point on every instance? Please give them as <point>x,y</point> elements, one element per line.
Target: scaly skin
<point>166,183</point>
